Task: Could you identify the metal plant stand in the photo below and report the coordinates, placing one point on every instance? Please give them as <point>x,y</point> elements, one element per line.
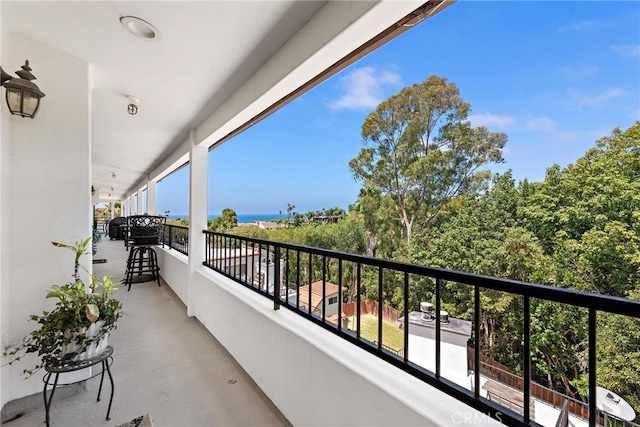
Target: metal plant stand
<point>105,359</point>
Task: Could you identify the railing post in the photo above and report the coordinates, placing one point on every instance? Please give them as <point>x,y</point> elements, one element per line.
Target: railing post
<point>527,359</point>
<point>340,299</point>
<point>286,276</point>
<point>380,290</point>
<point>310,281</point>
<point>476,332</point>
<point>276,279</point>
<point>438,330</point>
<point>592,368</point>
<point>207,256</point>
<point>358,309</point>
<point>406,317</point>
<point>324,287</point>
<point>170,237</point>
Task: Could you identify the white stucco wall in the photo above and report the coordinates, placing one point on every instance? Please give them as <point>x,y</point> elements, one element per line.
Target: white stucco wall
<point>49,172</point>
<point>5,141</point>
<point>174,269</point>
<point>311,375</point>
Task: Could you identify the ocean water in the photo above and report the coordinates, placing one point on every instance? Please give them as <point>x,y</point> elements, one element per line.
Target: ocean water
<point>242,218</point>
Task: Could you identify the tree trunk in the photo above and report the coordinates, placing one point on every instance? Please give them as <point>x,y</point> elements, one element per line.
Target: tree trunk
<point>567,386</point>
<point>549,378</point>
<point>492,334</point>
<point>485,326</point>
<point>372,244</point>
<point>407,224</point>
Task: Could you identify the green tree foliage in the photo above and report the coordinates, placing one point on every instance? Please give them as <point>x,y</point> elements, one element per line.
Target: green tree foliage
<point>226,221</point>
<point>422,152</point>
<point>587,216</point>
<point>335,211</point>
<point>182,222</point>
<point>618,355</point>
<point>377,213</point>
<point>483,236</point>
<point>578,229</point>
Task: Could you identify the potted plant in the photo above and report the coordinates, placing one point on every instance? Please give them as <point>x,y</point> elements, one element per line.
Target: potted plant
<point>79,325</point>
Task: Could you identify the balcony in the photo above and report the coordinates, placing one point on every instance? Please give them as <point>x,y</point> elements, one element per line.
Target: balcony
<point>253,344</point>
<point>281,274</point>
<point>196,90</point>
<point>221,339</point>
<point>165,364</point>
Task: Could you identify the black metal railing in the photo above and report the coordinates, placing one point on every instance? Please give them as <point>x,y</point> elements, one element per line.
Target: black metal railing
<point>304,279</point>
<point>176,237</point>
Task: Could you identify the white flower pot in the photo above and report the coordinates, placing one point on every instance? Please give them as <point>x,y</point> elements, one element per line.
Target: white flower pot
<point>94,348</point>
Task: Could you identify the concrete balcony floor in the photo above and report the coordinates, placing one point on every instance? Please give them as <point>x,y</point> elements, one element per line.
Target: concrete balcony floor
<point>165,364</point>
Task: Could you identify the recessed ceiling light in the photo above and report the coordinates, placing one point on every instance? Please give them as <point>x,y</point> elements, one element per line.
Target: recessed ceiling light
<point>139,27</point>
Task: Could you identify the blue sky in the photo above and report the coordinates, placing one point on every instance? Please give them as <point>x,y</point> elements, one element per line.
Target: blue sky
<point>553,75</point>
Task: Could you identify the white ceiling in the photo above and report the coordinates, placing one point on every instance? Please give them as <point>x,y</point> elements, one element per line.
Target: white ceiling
<point>208,52</point>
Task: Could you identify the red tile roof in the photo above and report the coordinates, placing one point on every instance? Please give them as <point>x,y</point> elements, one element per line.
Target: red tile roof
<point>316,293</point>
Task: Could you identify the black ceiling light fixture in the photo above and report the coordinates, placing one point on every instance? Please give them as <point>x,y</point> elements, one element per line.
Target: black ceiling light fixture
<point>23,96</point>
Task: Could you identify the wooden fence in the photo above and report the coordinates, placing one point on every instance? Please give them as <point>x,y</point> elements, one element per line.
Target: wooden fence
<point>370,306</point>
<point>497,371</point>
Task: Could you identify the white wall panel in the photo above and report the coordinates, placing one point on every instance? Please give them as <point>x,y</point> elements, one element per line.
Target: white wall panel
<point>48,195</point>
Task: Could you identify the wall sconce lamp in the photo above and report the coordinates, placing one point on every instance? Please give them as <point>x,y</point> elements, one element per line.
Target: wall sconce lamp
<point>23,96</point>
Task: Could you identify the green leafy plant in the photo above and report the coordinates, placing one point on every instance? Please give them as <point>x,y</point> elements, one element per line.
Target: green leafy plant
<point>63,332</point>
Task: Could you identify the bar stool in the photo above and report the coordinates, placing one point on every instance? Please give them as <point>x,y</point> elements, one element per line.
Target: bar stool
<point>144,234</point>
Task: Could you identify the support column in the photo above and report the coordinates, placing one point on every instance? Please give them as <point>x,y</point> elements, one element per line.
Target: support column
<point>198,183</point>
<point>151,197</point>
<point>140,209</point>
<point>113,210</point>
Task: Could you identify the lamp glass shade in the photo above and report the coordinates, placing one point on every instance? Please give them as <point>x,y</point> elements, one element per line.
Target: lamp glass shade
<point>14,100</point>
<point>30,104</point>
<point>22,103</point>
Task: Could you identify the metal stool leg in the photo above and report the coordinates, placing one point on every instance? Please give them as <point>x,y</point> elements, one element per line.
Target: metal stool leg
<point>154,264</point>
<point>141,252</point>
<point>127,274</point>
<point>131,262</point>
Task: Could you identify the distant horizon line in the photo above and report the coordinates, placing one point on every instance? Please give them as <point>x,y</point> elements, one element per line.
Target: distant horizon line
<point>283,215</point>
<point>261,213</point>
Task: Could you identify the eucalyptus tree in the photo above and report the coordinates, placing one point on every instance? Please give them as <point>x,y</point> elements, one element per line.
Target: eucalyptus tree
<point>421,152</point>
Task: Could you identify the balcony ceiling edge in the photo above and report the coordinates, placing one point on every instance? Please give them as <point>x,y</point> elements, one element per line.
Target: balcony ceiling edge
<point>338,29</point>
